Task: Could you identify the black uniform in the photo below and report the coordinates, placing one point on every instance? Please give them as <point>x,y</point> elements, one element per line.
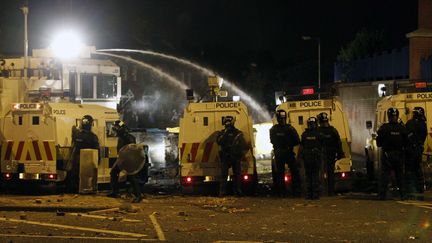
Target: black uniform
<point>393,138</point>
<point>417,133</point>
<point>332,150</point>
<point>311,153</point>
<point>284,138</point>
<point>81,139</point>
<point>124,139</point>
<point>232,146</point>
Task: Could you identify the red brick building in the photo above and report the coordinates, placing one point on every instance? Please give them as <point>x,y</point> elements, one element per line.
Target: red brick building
<point>420,41</point>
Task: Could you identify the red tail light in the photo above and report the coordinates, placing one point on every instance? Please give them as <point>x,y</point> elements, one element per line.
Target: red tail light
<point>7,176</point>
<point>344,175</point>
<point>287,178</point>
<point>245,177</point>
<point>188,179</point>
<point>52,176</point>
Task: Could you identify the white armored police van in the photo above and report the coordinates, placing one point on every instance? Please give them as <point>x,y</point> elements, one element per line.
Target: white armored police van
<point>300,107</point>
<point>408,95</point>
<point>199,152</point>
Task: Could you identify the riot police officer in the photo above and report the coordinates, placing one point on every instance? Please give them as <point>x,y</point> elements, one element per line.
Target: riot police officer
<point>332,149</point>
<point>82,138</point>
<point>124,138</point>
<point>417,133</point>
<point>311,153</point>
<point>393,138</point>
<point>284,137</point>
<point>232,146</point>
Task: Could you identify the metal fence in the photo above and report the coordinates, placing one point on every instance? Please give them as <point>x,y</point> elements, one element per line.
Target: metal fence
<point>392,64</point>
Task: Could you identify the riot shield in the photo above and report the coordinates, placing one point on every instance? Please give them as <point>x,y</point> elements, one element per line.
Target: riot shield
<point>88,171</point>
<point>132,158</point>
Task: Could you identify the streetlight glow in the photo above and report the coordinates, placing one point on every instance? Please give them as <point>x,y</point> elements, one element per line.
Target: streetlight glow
<point>66,44</point>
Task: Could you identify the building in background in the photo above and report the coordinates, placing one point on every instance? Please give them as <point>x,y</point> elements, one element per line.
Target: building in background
<point>362,87</point>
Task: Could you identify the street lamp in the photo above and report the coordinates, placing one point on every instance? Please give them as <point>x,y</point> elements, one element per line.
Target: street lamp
<point>66,44</point>
<point>307,38</point>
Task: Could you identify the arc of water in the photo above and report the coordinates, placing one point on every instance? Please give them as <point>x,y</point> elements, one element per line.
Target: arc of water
<point>181,60</point>
<point>170,78</point>
<point>264,115</point>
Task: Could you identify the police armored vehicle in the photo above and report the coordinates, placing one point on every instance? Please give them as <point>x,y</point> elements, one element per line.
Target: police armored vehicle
<point>199,152</point>
<point>299,108</point>
<point>43,99</point>
<point>407,98</point>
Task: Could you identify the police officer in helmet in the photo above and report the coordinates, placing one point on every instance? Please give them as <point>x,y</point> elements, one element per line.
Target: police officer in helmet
<point>124,139</point>
<point>311,153</point>
<point>417,133</point>
<point>393,139</point>
<point>123,135</point>
<point>332,149</point>
<point>82,138</point>
<point>232,147</point>
<point>284,137</point>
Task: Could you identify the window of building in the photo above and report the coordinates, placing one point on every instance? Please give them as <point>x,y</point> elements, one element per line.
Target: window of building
<point>106,86</point>
<point>205,121</point>
<point>87,85</point>
<point>20,120</point>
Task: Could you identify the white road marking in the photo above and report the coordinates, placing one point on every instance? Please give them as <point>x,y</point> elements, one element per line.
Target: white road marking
<point>417,204</point>
<point>75,237</point>
<point>104,211</point>
<point>244,241</point>
<point>104,217</point>
<point>114,232</point>
<point>157,227</point>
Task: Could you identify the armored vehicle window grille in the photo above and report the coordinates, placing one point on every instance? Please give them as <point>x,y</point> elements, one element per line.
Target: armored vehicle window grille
<point>87,86</point>
<point>106,86</point>
<point>35,120</point>
<point>300,120</point>
<point>205,121</point>
<point>20,120</point>
<point>109,129</point>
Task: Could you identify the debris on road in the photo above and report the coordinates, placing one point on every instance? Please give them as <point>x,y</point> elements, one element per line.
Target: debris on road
<point>129,208</point>
<point>23,216</point>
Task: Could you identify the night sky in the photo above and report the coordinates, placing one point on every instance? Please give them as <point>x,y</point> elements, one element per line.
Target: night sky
<point>235,38</point>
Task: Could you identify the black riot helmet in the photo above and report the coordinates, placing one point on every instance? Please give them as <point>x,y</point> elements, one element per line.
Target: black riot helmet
<point>281,116</point>
<point>120,128</point>
<point>419,113</point>
<point>87,122</point>
<point>228,121</point>
<point>392,114</point>
<point>323,119</point>
<point>312,123</point>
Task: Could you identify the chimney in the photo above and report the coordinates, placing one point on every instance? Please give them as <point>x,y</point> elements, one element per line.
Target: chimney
<point>420,41</point>
<point>425,14</point>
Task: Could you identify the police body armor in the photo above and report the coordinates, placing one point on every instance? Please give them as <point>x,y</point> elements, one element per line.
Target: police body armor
<point>231,143</point>
<point>284,137</point>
